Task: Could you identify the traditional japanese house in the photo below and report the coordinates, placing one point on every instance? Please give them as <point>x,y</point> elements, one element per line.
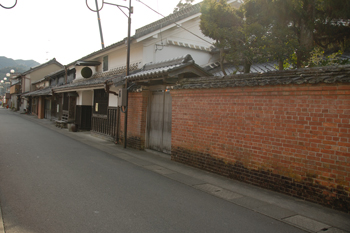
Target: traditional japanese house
<point>97,103</point>
<point>15,92</point>
<point>62,105</point>
<point>31,76</point>
<point>44,103</point>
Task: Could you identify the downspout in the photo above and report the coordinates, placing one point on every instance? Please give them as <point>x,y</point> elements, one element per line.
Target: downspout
<point>99,25</point>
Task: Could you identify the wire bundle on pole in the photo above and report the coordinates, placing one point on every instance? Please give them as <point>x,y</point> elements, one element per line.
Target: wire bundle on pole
<point>10,6</point>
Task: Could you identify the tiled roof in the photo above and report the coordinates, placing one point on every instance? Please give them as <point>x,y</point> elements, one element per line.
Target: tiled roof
<point>39,81</point>
<point>215,68</point>
<point>119,43</point>
<point>172,18</point>
<point>44,91</point>
<point>82,83</point>
<point>53,61</point>
<point>55,73</point>
<point>331,74</point>
<point>164,67</point>
<point>149,29</point>
<point>159,68</point>
<point>16,81</point>
<point>99,78</point>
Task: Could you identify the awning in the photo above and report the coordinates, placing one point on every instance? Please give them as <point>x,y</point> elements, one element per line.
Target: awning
<point>88,63</point>
<point>41,92</point>
<point>72,93</point>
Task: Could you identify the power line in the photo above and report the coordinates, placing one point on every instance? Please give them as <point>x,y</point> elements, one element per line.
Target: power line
<point>175,22</point>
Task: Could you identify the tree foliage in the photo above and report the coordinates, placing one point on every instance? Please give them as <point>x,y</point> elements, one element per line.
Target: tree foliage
<point>315,23</point>
<point>221,23</point>
<point>233,35</point>
<point>319,58</point>
<point>182,5</point>
<point>277,40</point>
<point>283,30</point>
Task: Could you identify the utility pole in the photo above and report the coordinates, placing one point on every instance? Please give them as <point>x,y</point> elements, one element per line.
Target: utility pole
<point>99,25</point>
<point>127,74</point>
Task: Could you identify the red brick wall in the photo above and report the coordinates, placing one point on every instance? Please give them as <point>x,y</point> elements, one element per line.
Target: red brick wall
<point>137,112</point>
<point>293,139</point>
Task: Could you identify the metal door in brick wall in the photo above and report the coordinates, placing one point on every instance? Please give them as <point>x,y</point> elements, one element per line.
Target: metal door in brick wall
<point>159,128</point>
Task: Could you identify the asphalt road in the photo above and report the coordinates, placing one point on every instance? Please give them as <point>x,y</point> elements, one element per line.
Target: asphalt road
<point>51,183</point>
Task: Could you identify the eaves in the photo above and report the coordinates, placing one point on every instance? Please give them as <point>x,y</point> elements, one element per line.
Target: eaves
<point>59,72</point>
<point>153,33</point>
<point>329,75</point>
<point>99,52</point>
<point>53,61</point>
<point>75,88</point>
<point>168,20</point>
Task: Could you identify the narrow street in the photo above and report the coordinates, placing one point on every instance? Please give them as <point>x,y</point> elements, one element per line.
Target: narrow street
<point>52,183</point>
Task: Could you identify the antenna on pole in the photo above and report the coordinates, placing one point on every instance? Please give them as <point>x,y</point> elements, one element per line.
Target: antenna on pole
<point>10,7</point>
<point>99,25</point>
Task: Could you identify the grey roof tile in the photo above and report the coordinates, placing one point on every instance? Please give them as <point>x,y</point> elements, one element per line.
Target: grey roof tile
<point>215,69</point>
<point>82,83</point>
<point>52,61</point>
<point>162,67</point>
<point>40,92</point>
<point>331,74</point>
<point>99,78</point>
<point>170,19</point>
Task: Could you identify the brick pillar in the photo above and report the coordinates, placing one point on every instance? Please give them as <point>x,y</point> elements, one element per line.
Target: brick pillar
<point>137,114</point>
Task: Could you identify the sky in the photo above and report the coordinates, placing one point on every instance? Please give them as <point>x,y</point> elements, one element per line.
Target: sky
<point>67,30</point>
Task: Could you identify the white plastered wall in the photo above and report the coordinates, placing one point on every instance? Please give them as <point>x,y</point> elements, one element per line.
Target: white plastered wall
<point>85,98</point>
<point>14,101</point>
<point>117,57</point>
<point>42,72</point>
<point>113,99</point>
<point>27,83</point>
<point>78,71</point>
<point>154,52</point>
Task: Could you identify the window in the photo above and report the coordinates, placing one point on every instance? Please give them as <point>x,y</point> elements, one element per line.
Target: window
<point>105,63</point>
<point>100,102</point>
<point>61,80</point>
<point>65,101</point>
<point>54,82</point>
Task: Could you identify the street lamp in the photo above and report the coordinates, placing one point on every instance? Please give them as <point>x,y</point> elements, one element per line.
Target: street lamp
<point>10,6</point>
<point>11,72</point>
<point>5,84</point>
<point>6,79</point>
